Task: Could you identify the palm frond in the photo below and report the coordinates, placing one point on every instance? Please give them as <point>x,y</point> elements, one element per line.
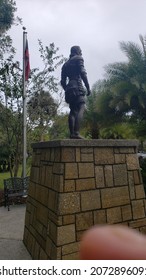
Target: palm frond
<point>133,52</point>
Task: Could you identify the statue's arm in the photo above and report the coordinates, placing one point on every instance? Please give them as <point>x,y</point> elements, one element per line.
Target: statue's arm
<point>63,78</point>
<point>83,74</point>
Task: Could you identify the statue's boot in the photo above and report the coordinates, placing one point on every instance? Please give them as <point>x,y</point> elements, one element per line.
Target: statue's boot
<point>73,136</point>
<point>78,136</point>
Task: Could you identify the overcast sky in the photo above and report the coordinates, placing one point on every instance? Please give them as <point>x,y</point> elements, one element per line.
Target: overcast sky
<point>97,26</point>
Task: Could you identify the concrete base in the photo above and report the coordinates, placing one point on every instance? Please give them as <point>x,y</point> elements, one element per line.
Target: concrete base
<point>75,184</point>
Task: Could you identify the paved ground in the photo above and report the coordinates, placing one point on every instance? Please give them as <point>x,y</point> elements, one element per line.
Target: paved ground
<point>11,233</point>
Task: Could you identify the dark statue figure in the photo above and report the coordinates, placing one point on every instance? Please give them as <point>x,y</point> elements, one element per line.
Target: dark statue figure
<point>72,75</point>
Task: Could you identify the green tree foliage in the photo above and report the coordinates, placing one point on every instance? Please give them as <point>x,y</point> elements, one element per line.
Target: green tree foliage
<point>41,110</point>
<point>11,112</point>
<point>127,80</point>
<point>7,51</point>
<point>92,118</point>
<point>121,97</point>
<point>42,106</point>
<point>7,15</point>
<point>59,127</point>
<point>100,114</point>
<point>45,96</point>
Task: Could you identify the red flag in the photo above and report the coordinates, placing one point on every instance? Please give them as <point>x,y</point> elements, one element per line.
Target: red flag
<point>27,64</point>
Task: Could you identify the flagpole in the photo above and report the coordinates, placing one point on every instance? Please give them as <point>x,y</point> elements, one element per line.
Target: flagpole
<point>24,106</point>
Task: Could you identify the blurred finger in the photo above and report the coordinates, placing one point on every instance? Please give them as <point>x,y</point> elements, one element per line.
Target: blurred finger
<point>113,242</point>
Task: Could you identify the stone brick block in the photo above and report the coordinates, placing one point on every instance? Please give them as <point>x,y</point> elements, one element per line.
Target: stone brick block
<point>99,217</point>
<point>104,155</point>
<point>52,155</point>
<point>38,226</point>
<point>138,209</point>
<point>66,234</point>
<point>132,162</point>
<point>99,177</point>
<point>34,174</point>
<point>137,177</point>
<point>68,154</point>
<point>45,155</point>
<point>120,158</point>
<point>112,197</point>
<point>68,203</point>
<point>116,150</point>
<point>109,176</point>
<point>53,201</point>
<point>86,170</point>
<point>57,220</point>
<point>36,159</point>
<point>138,223</point>
<point>29,242</point>
<point>32,189</point>
<point>71,171</point>
<point>73,256</point>
<point>44,232</point>
<point>52,251</point>
<point>70,248</point>
<point>51,233</point>
<point>48,176</point>
<point>139,190</point>
<point>57,182</point>
<point>68,219</point>
<point>127,150</point>
<point>120,175</point>
<point>33,245</point>
<point>42,194</point>
<point>85,184</point>
<point>114,215</point>
<point>131,184</point>
<point>42,173</point>
<point>42,214</point>
<point>143,230</point>
<point>28,205</point>
<point>69,185</point>
<point>36,251</point>
<point>90,200</point>
<point>58,168</point>
<point>84,221</point>
<point>126,212</point>
<point>57,154</point>
<point>78,154</point>
<point>86,150</point>
<point>27,219</point>
<point>33,214</point>
<point>87,157</point>
<point>43,255</point>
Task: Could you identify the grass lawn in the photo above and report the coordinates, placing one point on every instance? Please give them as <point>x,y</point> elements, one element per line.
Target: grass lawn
<point>3,176</point>
<point>6,175</point>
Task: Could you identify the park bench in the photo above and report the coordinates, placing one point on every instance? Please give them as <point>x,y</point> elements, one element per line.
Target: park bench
<point>15,188</point>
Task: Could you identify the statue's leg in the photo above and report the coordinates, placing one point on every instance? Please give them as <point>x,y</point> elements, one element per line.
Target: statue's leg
<point>71,122</point>
<point>78,118</point>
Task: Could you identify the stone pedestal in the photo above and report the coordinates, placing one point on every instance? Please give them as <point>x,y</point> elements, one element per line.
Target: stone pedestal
<point>75,184</point>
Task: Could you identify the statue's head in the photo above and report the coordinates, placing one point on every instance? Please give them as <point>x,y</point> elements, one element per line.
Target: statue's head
<point>75,50</point>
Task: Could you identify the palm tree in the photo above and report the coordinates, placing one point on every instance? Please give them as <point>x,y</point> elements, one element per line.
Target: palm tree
<point>121,96</point>
<point>128,80</point>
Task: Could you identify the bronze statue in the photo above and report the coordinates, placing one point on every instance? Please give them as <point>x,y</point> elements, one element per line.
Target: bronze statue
<point>72,75</point>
